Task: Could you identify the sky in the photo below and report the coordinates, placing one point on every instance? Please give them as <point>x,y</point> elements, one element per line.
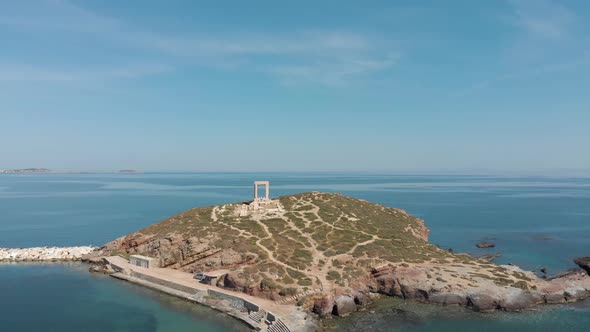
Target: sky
<point>375,86</point>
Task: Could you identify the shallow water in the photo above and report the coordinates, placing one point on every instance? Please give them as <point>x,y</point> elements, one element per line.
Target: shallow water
<point>535,222</point>
<point>66,297</point>
<point>397,315</point>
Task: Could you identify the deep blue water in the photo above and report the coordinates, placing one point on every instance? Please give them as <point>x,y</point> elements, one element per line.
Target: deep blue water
<point>535,222</point>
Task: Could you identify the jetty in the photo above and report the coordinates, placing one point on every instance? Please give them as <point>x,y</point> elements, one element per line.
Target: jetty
<point>45,253</point>
<point>259,314</point>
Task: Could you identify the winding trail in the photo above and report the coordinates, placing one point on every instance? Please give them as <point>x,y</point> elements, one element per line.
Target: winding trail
<point>216,219</point>
<point>310,215</point>
<point>270,253</point>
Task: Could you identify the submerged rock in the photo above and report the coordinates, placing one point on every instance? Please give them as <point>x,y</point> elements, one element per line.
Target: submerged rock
<point>554,298</point>
<point>448,299</point>
<point>542,238</point>
<point>582,304</point>
<point>99,265</point>
<point>485,245</point>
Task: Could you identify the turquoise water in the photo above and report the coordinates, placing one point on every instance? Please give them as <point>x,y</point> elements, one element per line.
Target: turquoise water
<point>392,314</point>
<point>535,222</point>
<point>66,297</point>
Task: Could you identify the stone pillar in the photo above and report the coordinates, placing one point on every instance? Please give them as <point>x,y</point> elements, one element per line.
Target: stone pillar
<point>267,187</point>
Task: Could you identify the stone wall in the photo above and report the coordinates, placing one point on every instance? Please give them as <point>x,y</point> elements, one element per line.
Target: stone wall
<point>165,283</point>
<point>251,306</point>
<point>235,301</point>
<point>270,317</point>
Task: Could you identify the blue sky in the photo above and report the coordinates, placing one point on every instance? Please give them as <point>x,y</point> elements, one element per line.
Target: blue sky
<point>387,86</point>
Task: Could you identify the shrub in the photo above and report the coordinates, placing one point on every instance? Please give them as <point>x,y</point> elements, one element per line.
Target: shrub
<point>333,275</point>
<point>289,291</point>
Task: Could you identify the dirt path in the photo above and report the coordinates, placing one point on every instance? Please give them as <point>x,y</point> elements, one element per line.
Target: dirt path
<point>270,253</point>
<point>216,219</point>
<point>322,264</point>
<point>316,210</point>
<point>373,239</point>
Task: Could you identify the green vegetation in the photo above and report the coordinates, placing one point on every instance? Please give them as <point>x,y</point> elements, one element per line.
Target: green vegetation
<point>289,291</point>
<point>333,275</point>
<point>339,237</point>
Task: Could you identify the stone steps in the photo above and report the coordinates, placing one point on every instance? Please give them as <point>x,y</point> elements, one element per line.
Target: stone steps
<point>278,326</point>
<point>297,296</point>
<point>257,316</point>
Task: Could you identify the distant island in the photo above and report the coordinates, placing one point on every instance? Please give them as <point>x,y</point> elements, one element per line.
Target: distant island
<point>49,171</point>
<point>26,170</point>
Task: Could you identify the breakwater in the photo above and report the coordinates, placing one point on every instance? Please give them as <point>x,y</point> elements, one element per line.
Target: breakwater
<point>259,314</point>
<point>45,253</point>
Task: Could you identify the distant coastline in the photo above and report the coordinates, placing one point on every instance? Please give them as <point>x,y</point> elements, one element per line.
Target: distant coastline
<point>49,171</point>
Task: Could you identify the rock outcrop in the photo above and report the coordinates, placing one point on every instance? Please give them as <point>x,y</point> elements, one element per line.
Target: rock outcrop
<point>489,257</point>
<point>446,298</point>
<point>344,305</point>
<point>584,263</point>
<point>323,306</point>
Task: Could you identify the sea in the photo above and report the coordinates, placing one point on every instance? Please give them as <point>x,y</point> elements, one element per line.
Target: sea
<point>535,222</point>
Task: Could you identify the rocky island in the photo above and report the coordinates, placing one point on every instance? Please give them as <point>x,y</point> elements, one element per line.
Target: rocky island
<point>328,254</point>
<point>26,170</point>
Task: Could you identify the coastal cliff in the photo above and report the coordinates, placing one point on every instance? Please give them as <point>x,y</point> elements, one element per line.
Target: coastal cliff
<point>329,253</point>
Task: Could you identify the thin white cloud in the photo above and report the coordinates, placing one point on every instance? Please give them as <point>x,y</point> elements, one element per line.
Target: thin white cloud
<point>28,73</point>
<point>314,42</point>
<point>338,73</point>
<point>310,56</point>
<point>543,18</point>
<point>584,60</point>
<point>50,15</point>
<point>544,29</point>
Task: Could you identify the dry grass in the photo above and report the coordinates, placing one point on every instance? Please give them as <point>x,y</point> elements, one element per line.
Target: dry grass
<point>315,228</point>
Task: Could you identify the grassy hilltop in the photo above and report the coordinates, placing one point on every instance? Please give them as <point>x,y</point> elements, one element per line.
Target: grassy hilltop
<point>321,241</point>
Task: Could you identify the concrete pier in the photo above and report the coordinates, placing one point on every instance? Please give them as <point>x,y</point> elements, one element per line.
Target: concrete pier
<point>253,311</point>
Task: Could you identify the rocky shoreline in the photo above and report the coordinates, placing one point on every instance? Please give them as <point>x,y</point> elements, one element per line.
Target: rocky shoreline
<point>45,253</point>
<point>403,281</point>
<point>413,283</point>
<point>332,255</point>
